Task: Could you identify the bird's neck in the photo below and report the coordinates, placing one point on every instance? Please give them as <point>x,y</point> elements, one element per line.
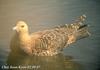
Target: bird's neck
<point>24,36</point>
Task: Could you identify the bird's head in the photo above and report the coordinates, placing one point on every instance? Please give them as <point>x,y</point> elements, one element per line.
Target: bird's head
<point>21,27</point>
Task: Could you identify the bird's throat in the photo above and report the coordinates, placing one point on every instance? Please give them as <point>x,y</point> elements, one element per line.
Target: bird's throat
<point>24,37</point>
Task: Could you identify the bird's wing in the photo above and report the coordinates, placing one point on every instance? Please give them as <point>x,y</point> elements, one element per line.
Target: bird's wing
<point>59,36</point>
<point>50,39</point>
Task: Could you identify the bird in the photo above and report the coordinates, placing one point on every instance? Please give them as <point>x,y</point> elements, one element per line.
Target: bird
<point>47,42</point>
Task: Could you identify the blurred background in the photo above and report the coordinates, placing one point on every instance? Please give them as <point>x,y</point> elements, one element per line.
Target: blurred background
<point>46,14</point>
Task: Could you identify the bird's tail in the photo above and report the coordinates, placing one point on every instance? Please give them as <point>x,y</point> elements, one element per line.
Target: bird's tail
<point>82,29</point>
<point>82,32</point>
<point>77,30</point>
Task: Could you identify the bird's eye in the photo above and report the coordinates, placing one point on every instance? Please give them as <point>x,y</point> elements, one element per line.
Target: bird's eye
<point>22,26</point>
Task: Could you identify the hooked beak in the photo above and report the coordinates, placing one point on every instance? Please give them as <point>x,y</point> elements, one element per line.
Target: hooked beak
<point>14,28</point>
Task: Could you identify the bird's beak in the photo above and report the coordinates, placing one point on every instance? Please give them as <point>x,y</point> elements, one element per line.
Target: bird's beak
<point>14,28</point>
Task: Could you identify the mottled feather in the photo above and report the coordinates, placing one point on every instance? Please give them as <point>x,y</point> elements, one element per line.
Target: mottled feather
<point>48,42</point>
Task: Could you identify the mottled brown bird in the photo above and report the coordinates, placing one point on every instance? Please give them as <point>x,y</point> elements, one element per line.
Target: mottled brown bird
<point>47,42</point>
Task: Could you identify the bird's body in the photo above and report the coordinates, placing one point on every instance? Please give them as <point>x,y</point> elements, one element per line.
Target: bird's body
<point>47,42</point>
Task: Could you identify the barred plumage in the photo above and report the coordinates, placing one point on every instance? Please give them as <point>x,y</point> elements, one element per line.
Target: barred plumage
<point>47,42</point>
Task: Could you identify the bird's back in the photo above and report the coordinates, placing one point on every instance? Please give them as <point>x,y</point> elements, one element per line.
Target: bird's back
<point>50,42</point>
<point>53,40</point>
